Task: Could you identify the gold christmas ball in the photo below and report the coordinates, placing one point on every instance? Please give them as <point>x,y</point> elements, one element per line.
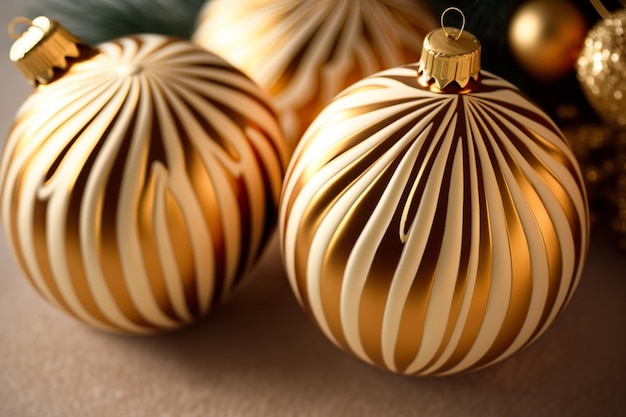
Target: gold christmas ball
<point>546,36</point>
<point>433,227</point>
<point>305,52</point>
<point>601,68</point>
<point>139,184</point>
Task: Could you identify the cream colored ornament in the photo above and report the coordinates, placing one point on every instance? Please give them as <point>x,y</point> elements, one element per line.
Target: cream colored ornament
<point>601,68</point>
<point>433,220</point>
<point>304,52</point>
<point>140,179</point>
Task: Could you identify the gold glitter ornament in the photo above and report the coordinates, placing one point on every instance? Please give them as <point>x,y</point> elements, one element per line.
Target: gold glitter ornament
<point>140,179</point>
<point>433,220</point>
<point>304,52</point>
<point>601,68</point>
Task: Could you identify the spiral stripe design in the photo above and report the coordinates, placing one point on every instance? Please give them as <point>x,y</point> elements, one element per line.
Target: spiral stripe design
<point>305,52</point>
<point>138,187</point>
<point>430,233</point>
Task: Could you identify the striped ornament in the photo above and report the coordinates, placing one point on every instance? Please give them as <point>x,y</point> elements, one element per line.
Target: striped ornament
<point>304,52</point>
<point>430,233</point>
<point>138,187</point>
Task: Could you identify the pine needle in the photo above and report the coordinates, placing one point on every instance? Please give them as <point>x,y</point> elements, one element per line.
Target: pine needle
<point>96,21</point>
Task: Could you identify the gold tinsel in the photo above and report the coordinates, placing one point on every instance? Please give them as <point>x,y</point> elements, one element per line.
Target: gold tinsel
<point>601,152</point>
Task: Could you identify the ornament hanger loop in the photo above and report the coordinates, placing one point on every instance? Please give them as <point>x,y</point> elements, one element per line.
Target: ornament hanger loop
<point>448,34</point>
<point>21,20</point>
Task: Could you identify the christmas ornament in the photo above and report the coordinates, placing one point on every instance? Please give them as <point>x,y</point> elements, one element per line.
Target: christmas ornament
<point>546,36</point>
<point>140,179</point>
<point>305,52</point>
<point>601,68</point>
<point>433,220</point>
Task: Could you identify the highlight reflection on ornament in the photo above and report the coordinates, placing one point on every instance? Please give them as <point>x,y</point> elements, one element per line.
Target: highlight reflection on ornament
<point>139,185</point>
<point>429,230</point>
<point>304,52</point>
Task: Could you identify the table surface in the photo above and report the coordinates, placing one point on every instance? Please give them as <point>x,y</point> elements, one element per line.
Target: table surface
<point>258,355</point>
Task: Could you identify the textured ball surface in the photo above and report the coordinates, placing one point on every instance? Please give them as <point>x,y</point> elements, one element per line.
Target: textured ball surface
<point>430,233</point>
<point>305,52</point>
<point>138,187</point>
<point>601,68</point>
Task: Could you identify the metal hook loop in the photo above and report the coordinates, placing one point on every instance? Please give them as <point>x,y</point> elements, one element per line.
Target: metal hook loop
<point>16,21</point>
<point>448,35</point>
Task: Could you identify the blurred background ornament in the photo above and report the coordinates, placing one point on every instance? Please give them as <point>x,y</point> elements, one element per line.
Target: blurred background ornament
<point>546,36</point>
<point>601,68</point>
<point>305,52</point>
<point>140,179</point>
<point>433,219</point>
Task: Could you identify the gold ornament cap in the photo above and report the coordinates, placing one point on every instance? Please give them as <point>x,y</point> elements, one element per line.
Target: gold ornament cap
<point>450,54</point>
<point>42,47</point>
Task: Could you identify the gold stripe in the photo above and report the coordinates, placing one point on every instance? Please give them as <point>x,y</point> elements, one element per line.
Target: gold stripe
<point>328,194</point>
<point>178,231</point>
<point>332,276</point>
<point>149,248</point>
<point>460,286</point>
<point>74,261</point>
<point>375,292</point>
<point>208,201</point>
<point>482,285</point>
<point>544,222</point>
<point>238,184</point>
<point>204,189</point>
<point>411,329</point>
<point>245,220</point>
<point>108,251</point>
<point>344,238</point>
<point>155,154</point>
<point>40,246</point>
<point>271,190</point>
<point>73,249</point>
<point>40,221</point>
<point>38,217</point>
<point>578,225</point>
<point>521,275</point>
<point>557,189</point>
<point>554,256</point>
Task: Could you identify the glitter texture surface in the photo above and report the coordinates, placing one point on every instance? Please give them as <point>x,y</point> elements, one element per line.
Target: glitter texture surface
<point>602,68</point>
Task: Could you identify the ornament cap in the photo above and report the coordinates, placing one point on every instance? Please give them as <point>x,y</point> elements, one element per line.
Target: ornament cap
<point>450,54</point>
<point>42,47</point>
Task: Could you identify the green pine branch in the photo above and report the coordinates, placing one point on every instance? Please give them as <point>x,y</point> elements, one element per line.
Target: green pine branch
<point>96,21</point>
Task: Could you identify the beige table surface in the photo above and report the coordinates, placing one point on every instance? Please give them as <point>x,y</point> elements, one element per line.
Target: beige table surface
<point>259,355</point>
